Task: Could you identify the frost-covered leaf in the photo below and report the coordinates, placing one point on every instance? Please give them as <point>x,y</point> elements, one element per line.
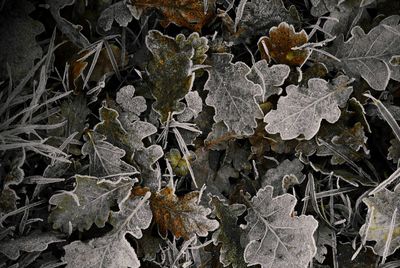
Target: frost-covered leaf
<point>105,158</point>
<point>369,55</point>
<point>8,200</point>
<point>113,249</point>
<point>394,151</point>
<point>280,43</point>
<point>287,174</point>
<point>228,234</point>
<point>75,112</point>
<point>170,62</point>
<point>118,12</point>
<point>347,141</point>
<point>146,159</point>
<point>219,136</point>
<point>134,216</point>
<point>132,105</point>
<point>194,105</point>
<point>232,95</point>
<point>269,78</point>
<point>191,14</point>
<point>348,15</point>
<point>323,238</point>
<point>18,41</point>
<point>383,215</point>
<point>302,110</point>
<point>276,237</point>
<point>181,215</point>
<point>34,242</point>
<point>90,202</point>
<point>239,156</point>
<point>259,15</point>
<point>128,137</point>
<point>109,251</point>
<point>13,163</point>
<point>321,7</point>
<point>199,44</point>
<point>72,31</point>
<point>111,128</point>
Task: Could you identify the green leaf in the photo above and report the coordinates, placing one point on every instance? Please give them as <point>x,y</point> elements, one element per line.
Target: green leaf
<point>232,95</point>
<point>90,202</point>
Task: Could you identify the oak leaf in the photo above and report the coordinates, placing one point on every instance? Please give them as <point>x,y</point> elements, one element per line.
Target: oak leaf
<point>280,43</point>
<point>232,94</point>
<point>170,62</point>
<point>105,158</point>
<point>259,15</point>
<point>302,110</point>
<point>182,215</point>
<point>276,238</point>
<point>228,234</point>
<point>369,55</point>
<point>31,243</point>
<point>191,14</point>
<point>90,202</point>
<point>109,251</point>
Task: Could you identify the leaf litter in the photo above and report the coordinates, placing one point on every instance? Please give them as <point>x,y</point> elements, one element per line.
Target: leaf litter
<point>209,133</point>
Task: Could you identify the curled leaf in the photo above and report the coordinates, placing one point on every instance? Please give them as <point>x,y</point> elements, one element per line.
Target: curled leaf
<point>118,12</point>
<point>286,174</point>
<point>259,15</point>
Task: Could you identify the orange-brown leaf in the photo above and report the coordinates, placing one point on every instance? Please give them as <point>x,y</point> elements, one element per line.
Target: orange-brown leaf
<point>278,46</point>
<point>186,13</point>
<point>182,215</point>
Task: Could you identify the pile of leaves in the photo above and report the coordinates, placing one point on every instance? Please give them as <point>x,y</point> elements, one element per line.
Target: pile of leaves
<point>199,133</point>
